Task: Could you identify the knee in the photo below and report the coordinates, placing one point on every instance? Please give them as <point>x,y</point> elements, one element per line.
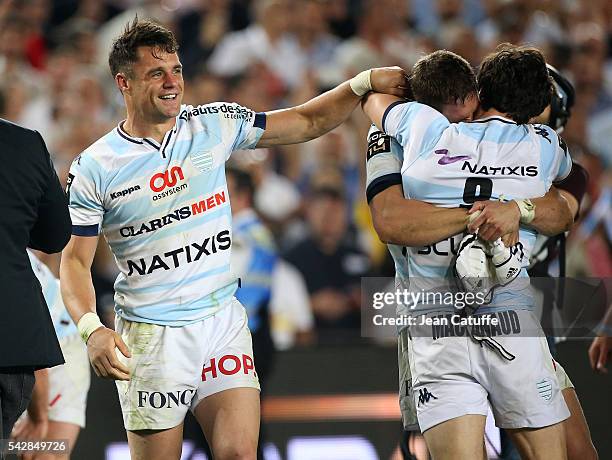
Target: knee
<point>241,450</point>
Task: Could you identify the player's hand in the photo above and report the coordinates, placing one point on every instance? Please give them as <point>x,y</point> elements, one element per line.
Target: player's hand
<point>101,350</point>
<point>496,219</point>
<point>28,429</point>
<point>599,352</point>
<point>390,80</point>
<point>510,239</point>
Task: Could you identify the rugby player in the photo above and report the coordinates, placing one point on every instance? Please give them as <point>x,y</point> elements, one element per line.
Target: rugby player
<point>155,187</point>
<point>453,389</point>
<point>447,83</point>
<point>68,384</point>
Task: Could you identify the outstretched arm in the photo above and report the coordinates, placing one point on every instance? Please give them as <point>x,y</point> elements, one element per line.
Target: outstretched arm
<point>323,113</point>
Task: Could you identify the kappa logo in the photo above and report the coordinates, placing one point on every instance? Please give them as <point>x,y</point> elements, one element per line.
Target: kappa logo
<point>540,131</point>
<point>425,396</point>
<point>125,192</point>
<point>447,159</point>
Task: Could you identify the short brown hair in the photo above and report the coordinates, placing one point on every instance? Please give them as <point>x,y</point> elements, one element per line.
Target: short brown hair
<point>442,77</point>
<point>139,33</point>
<point>514,80</point>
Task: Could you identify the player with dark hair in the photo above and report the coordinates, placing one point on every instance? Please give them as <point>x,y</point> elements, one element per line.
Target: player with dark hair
<point>549,252</point>
<point>155,186</point>
<point>452,414</point>
<point>440,70</point>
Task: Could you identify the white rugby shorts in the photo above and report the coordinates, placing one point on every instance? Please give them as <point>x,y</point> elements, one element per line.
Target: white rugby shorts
<point>172,369</point>
<point>69,383</point>
<point>448,376</point>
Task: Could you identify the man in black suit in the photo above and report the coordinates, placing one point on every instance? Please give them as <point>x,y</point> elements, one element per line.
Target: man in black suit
<point>33,213</point>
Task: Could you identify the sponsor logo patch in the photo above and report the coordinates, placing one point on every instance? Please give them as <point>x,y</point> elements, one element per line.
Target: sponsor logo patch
<point>378,142</point>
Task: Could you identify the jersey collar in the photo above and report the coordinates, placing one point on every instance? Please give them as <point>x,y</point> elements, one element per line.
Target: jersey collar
<point>492,118</point>
<point>147,140</point>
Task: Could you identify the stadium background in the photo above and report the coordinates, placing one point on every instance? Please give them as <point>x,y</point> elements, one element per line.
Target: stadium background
<point>278,53</point>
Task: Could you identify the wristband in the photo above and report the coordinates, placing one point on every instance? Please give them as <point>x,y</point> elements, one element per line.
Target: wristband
<point>527,209</point>
<point>88,323</point>
<point>472,217</point>
<point>361,83</point>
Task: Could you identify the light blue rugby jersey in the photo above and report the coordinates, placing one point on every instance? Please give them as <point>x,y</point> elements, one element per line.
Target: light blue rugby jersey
<point>254,259</point>
<point>164,210</point>
<point>453,165</point>
<point>63,324</point>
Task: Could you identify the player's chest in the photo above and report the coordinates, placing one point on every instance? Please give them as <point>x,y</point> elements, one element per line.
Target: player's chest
<point>154,189</point>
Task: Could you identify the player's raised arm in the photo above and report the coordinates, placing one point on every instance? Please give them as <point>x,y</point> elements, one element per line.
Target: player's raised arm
<point>80,300</point>
<point>375,106</point>
<point>323,113</point>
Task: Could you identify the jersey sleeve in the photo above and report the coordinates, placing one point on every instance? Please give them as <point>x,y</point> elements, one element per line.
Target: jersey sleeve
<point>555,159</point>
<point>84,196</point>
<point>384,158</point>
<point>563,164</point>
<point>416,124</point>
<point>240,127</point>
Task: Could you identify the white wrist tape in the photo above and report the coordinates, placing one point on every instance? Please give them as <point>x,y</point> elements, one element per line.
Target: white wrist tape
<point>527,209</point>
<point>88,323</point>
<point>472,217</point>
<point>361,83</point>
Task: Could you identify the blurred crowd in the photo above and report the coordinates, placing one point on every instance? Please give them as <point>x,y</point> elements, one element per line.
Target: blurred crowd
<point>269,54</point>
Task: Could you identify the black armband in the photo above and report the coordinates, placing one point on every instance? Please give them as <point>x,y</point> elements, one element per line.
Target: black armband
<point>382,183</point>
<point>575,183</point>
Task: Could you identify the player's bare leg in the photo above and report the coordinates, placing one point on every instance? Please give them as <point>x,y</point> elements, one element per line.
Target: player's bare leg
<point>418,446</point>
<point>230,421</point>
<point>577,435</point>
<point>156,444</point>
<point>461,437</point>
<point>547,443</point>
<point>64,431</point>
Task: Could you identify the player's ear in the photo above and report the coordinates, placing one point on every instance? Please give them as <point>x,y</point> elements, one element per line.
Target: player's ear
<point>122,82</point>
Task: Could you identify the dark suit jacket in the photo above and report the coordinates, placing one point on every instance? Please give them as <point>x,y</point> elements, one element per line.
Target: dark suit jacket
<point>34,213</point>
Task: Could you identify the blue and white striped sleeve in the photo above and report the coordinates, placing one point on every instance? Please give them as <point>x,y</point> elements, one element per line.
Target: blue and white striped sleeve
<point>84,197</point>
<point>564,161</point>
<point>413,123</point>
<point>384,159</point>
<point>241,128</point>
